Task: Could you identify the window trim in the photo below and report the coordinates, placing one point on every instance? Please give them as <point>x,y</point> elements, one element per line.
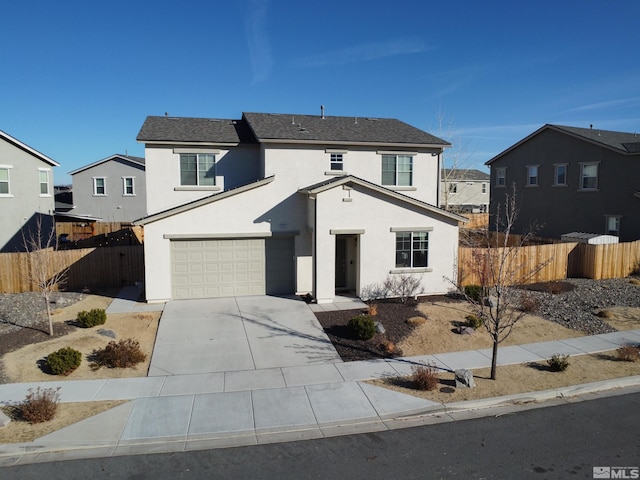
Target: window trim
<point>95,186</point>
<point>336,159</point>
<point>607,218</point>
<point>555,174</point>
<point>124,186</point>
<point>533,180</point>
<point>198,154</point>
<point>484,188</point>
<point>411,267</point>
<point>8,181</point>
<point>453,188</point>
<point>46,171</point>
<point>582,188</point>
<point>501,174</point>
<point>396,170</point>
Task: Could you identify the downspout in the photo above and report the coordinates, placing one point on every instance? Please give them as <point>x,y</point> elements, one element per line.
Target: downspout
<point>438,200</point>
<point>315,245</point>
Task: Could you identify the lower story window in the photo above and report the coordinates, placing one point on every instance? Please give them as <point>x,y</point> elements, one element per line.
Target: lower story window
<point>412,249</point>
<point>613,225</point>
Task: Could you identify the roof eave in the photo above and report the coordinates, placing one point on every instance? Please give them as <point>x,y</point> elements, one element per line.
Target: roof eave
<point>104,160</point>
<point>28,149</point>
<point>354,143</point>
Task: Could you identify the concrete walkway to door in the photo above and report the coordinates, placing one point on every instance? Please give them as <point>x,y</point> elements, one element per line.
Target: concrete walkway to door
<point>238,334</point>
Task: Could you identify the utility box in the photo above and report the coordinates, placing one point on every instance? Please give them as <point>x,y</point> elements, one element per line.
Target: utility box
<point>590,238</point>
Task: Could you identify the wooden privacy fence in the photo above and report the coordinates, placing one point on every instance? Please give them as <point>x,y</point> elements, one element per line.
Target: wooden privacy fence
<point>476,220</point>
<point>91,268</point>
<point>560,260</point>
<point>81,230</point>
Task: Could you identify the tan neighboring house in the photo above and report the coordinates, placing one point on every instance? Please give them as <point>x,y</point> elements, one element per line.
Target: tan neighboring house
<point>26,192</point>
<point>464,191</point>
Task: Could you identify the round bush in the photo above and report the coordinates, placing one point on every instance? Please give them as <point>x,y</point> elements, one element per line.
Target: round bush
<point>362,327</point>
<point>474,321</point>
<point>64,361</point>
<point>474,292</point>
<point>89,319</point>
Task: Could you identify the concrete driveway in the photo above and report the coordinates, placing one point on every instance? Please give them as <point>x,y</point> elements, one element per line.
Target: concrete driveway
<point>239,333</point>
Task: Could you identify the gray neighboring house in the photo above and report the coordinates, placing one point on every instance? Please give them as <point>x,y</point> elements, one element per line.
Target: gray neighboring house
<point>464,190</point>
<point>26,192</point>
<point>571,179</point>
<point>112,189</point>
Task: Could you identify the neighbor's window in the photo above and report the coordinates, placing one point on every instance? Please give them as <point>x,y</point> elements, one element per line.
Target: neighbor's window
<point>453,188</point>
<point>43,176</point>
<point>4,181</point>
<point>397,170</point>
<point>589,176</point>
<point>532,175</point>
<point>484,188</point>
<point>613,225</point>
<point>560,176</point>
<point>501,177</point>
<point>198,169</point>
<point>128,186</point>
<point>336,161</point>
<point>412,249</point>
<point>99,186</point>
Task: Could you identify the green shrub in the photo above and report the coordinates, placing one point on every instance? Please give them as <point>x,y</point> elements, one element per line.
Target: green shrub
<point>89,319</point>
<point>425,377</point>
<point>64,361</point>
<point>40,405</point>
<point>362,327</point>
<point>124,354</point>
<point>474,321</point>
<point>474,292</point>
<point>558,363</point>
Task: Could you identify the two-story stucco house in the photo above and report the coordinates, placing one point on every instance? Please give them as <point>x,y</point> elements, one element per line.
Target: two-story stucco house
<point>112,189</point>
<point>285,204</point>
<point>26,193</point>
<point>464,191</point>
<point>571,179</point>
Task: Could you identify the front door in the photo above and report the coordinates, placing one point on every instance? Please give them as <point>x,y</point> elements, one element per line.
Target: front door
<point>341,262</point>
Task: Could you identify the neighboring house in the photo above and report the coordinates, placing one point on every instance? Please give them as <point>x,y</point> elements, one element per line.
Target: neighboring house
<point>464,191</point>
<point>26,193</point>
<point>292,204</point>
<point>571,179</point>
<point>112,189</point>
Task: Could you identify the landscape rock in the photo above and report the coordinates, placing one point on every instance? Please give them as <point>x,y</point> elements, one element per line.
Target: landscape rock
<point>465,330</point>
<point>379,327</point>
<point>107,333</point>
<point>4,419</point>
<point>464,379</point>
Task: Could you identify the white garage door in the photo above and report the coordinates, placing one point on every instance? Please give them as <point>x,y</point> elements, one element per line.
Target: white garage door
<point>217,268</point>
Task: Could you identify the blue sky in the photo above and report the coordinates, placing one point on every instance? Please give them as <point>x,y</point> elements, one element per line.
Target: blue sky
<point>79,77</point>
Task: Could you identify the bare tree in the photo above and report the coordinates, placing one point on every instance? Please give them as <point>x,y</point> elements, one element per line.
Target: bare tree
<point>44,272</point>
<point>499,268</point>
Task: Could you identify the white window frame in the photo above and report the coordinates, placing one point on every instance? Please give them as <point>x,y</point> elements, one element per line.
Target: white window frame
<point>484,188</point>
<point>337,162</point>
<point>533,175</point>
<point>7,181</point>
<point>501,177</point>
<point>453,188</point>
<point>415,238</point>
<point>583,177</point>
<point>124,187</point>
<point>95,186</point>
<point>617,219</point>
<point>47,172</point>
<point>200,172</point>
<point>556,167</point>
<point>397,174</point>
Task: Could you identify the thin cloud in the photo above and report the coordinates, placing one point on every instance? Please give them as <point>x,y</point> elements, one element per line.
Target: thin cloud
<point>258,41</point>
<point>622,102</point>
<point>364,53</point>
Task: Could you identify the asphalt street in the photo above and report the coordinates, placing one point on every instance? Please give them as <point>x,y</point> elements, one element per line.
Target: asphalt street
<point>559,442</point>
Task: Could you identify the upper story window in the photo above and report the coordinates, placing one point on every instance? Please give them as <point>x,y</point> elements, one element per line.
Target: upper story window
<point>412,249</point>
<point>484,188</point>
<point>43,176</point>
<point>397,170</point>
<point>453,187</point>
<point>588,176</point>
<point>99,186</point>
<point>560,174</point>
<point>501,177</point>
<point>197,169</point>
<point>337,161</point>
<point>128,186</point>
<point>5,182</point>
<point>532,175</point>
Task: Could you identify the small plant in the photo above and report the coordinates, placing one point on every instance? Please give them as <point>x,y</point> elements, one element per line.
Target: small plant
<point>473,292</point>
<point>628,354</point>
<point>474,321</point>
<point>123,354</point>
<point>387,346</point>
<point>372,309</point>
<point>403,286</point>
<point>528,303</point>
<point>96,316</point>
<point>634,281</point>
<point>40,405</point>
<point>362,327</point>
<point>425,377</point>
<point>415,321</point>
<point>64,361</point>
<point>558,363</point>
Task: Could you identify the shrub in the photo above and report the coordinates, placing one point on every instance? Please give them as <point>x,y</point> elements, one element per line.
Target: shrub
<point>474,321</point>
<point>528,303</point>
<point>40,405</point>
<point>634,281</point>
<point>425,377</point>
<point>558,363</point>
<point>89,319</point>
<point>372,309</point>
<point>474,292</point>
<point>362,327</point>
<point>403,286</point>
<point>415,321</point>
<point>628,354</point>
<point>64,361</point>
<point>123,354</point>
<point>387,346</point>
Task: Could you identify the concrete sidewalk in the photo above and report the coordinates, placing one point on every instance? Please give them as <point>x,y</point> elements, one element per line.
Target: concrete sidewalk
<point>199,411</point>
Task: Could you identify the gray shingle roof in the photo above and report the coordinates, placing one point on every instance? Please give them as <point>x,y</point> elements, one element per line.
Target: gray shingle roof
<point>461,174</point>
<point>268,126</point>
<point>196,130</point>
<point>625,142</point>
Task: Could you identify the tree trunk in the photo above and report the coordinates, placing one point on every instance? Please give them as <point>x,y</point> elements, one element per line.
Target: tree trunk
<point>494,359</point>
<point>49,316</point>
